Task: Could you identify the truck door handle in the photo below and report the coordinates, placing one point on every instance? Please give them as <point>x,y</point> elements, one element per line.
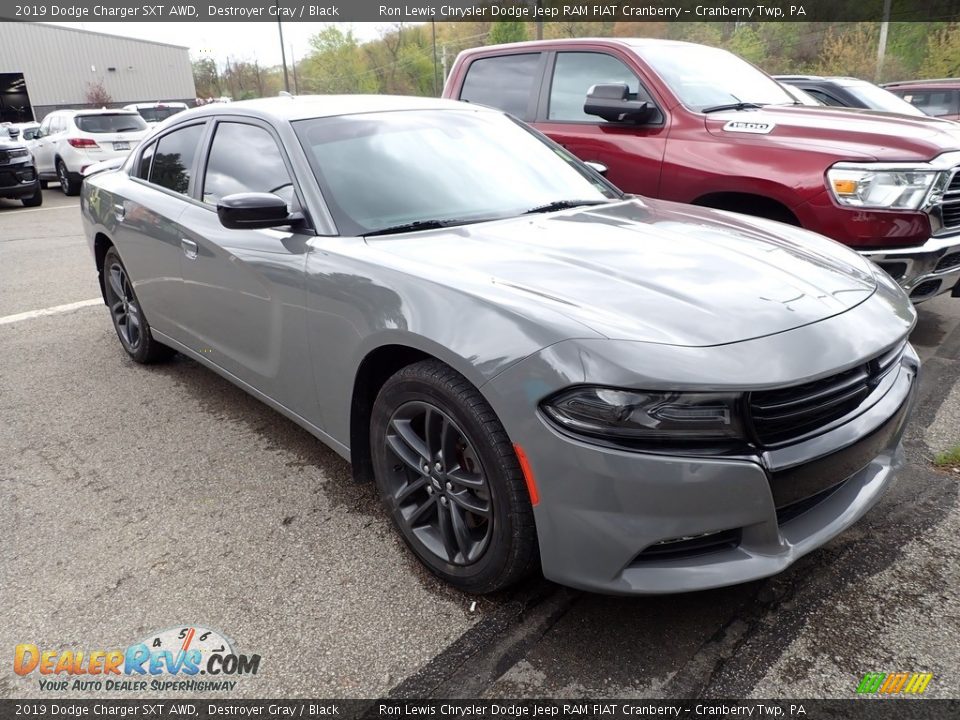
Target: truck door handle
<point>119,211</point>
<point>189,248</point>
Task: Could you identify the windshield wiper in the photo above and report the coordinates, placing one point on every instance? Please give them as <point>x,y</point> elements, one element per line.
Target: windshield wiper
<point>422,225</point>
<point>563,205</point>
<point>732,106</point>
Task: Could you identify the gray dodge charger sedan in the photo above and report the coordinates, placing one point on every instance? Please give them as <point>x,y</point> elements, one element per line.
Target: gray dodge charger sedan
<point>537,371</point>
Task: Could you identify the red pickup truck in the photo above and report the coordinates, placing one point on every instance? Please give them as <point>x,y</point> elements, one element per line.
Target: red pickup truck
<point>697,124</point>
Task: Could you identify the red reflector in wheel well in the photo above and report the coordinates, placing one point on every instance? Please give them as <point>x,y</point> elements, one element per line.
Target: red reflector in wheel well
<point>527,475</point>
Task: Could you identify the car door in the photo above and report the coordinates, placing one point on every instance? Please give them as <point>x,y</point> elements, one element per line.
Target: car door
<point>148,234</point>
<point>41,148</point>
<point>243,289</point>
<point>633,154</point>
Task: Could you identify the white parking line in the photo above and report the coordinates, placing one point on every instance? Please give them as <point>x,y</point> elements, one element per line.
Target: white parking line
<point>43,209</point>
<point>55,310</point>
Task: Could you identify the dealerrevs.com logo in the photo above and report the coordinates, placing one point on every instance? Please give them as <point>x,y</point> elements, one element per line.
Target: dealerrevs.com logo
<point>169,660</point>
<point>894,683</point>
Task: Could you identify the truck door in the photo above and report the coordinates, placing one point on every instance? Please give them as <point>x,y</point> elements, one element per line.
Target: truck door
<point>632,153</point>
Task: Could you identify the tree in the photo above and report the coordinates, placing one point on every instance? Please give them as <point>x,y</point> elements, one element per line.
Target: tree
<point>97,94</point>
<point>850,52</point>
<point>507,31</point>
<point>747,43</point>
<point>336,64</point>
<point>206,78</point>
<point>943,53</point>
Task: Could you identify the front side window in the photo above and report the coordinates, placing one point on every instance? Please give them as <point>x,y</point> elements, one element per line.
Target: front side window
<point>931,102</point>
<point>506,82</point>
<point>245,158</point>
<point>174,158</point>
<point>573,76</point>
<point>381,170</point>
<point>110,123</point>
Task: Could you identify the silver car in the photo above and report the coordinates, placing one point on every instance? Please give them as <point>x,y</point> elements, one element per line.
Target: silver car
<point>537,371</point>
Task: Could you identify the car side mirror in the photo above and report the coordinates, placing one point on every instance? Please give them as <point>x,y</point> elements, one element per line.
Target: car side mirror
<point>252,211</point>
<point>38,134</point>
<point>611,102</point>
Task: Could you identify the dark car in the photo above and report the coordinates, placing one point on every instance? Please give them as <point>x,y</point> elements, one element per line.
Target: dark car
<point>18,174</point>
<point>850,92</point>
<point>938,98</point>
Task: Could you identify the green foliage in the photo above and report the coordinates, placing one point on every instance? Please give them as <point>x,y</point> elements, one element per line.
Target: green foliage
<point>507,31</point>
<point>943,53</point>
<point>950,458</point>
<point>336,64</point>
<point>748,44</point>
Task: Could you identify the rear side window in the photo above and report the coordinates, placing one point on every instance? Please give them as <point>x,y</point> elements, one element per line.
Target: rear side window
<point>146,157</point>
<point>932,102</point>
<point>506,82</point>
<point>110,123</point>
<point>245,158</point>
<point>174,158</point>
<point>574,75</point>
<point>824,98</point>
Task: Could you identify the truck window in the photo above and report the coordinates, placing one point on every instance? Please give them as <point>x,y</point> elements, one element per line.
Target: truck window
<point>932,102</point>
<point>824,98</point>
<point>504,82</point>
<point>575,73</point>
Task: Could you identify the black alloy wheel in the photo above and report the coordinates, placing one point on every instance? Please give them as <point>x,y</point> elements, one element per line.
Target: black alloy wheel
<point>127,315</point>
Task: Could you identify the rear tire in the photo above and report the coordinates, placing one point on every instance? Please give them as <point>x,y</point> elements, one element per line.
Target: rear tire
<point>35,200</point>
<point>450,479</point>
<point>69,182</point>
<point>131,325</point>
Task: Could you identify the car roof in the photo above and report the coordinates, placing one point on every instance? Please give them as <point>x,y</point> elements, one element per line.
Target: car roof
<point>302,107</point>
<point>97,111</point>
<point>842,80</point>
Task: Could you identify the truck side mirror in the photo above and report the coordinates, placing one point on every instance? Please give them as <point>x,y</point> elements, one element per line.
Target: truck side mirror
<point>611,102</point>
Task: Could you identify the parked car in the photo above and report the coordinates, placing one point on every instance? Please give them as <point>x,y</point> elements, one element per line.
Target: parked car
<point>639,395</point>
<point>800,97</point>
<point>849,92</point>
<point>70,140</point>
<point>25,132</point>
<point>157,112</point>
<point>18,174</point>
<point>699,125</point>
<point>933,97</point>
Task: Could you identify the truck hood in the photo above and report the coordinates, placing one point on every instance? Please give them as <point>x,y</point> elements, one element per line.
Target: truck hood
<point>856,134</point>
<point>646,270</point>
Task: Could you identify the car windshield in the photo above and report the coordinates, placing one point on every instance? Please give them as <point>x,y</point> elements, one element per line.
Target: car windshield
<point>30,133</point>
<point>110,122</point>
<point>704,77</point>
<point>877,98</point>
<point>158,114</point>
<point>414,168</point>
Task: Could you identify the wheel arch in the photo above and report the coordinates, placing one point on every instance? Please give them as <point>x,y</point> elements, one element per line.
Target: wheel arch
<point>749,203</point>
<point>101,244</point>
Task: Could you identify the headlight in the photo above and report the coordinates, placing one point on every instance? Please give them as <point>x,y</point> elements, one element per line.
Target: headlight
<point>23,152</point>
<point>890,187</point>
<point>641,415</point>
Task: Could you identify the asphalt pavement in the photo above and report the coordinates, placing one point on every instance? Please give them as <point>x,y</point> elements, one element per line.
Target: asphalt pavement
<point>137,499</point>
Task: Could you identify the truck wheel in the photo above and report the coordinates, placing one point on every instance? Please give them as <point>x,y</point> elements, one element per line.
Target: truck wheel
<point>34,200</point>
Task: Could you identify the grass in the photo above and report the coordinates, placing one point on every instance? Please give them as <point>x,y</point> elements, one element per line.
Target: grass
<point>948,459</point>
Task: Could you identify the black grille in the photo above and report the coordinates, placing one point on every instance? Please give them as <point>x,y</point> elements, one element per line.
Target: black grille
<point>4,158</point>
<point>948,262</point>
<point>924,289</point>
<point>681,548</point>
<point>789,413</point>
<point>950,207</point>
<point>8,178</point>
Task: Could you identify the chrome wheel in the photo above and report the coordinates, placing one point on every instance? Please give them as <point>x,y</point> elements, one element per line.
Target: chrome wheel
<point>437,484</point>
<point>63,177</point>
<point>124,307</point>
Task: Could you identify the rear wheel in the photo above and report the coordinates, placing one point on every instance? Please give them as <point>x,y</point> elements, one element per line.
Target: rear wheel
<point>69,182</point>
<point>450,479</point>
<point>125,311</point>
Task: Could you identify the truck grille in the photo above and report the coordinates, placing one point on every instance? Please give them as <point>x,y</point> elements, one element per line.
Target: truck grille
<point>950,206</point>
<point>789,413</point>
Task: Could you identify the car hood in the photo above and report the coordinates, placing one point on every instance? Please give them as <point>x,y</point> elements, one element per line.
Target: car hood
<point>646,270</point>
<point>851,132</point>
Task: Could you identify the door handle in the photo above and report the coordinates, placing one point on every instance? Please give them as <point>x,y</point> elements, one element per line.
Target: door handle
<point>119,211</point>
<point>189,248</point>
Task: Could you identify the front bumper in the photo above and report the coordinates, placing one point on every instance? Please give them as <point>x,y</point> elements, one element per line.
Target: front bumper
<point>622,522</point>
<point>925,271</point>
<point>17,181</point>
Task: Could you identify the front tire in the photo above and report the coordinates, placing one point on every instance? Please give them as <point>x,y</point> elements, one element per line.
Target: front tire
<point>35,200</point>
<point>69,182</point>
<point>450,479</point>
<point>125,311</point>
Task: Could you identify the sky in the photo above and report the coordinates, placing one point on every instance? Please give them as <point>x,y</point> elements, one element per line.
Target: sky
<point>251,41</point>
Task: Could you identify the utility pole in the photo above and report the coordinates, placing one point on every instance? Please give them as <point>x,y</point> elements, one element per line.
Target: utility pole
<point>882,45</point>
<point>436,88</point>
<point>539,23</point>
<point>283,51</point>
<point>296,83</point>
<point>443,58</point>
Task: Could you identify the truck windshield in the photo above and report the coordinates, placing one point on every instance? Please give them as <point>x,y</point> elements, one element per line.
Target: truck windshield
<point>704,77</point>
<point>416,169</point>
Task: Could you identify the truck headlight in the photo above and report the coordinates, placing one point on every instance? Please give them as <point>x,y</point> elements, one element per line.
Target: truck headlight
<point>641,415</point>
<point>881,186</point>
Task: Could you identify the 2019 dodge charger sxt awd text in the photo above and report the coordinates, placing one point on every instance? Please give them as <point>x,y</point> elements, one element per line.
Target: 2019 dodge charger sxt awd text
<point>636,395</point>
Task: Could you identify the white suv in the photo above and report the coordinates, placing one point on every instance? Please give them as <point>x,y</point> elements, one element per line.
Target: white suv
<point>69,141</point>
<point>157,112</point>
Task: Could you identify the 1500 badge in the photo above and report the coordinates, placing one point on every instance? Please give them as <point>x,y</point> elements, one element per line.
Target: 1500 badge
<point>756,128</point>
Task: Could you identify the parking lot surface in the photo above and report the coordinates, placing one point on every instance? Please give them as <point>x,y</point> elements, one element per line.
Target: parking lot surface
<point>137,499</point>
